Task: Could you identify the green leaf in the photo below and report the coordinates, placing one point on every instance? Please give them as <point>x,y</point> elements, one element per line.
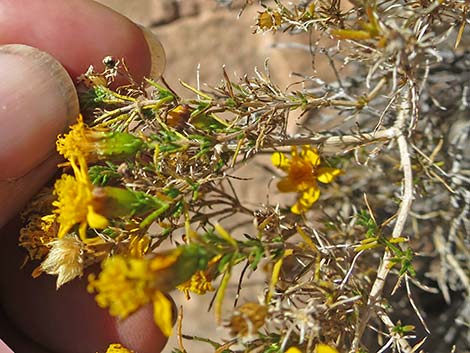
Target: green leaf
<point>102,175</point>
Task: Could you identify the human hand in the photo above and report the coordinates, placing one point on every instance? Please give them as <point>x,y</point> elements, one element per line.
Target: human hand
<point>37,102</point>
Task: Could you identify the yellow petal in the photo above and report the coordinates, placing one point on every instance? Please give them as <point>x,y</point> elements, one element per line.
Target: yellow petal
<point>306,200</point>
<point>280,160</point>
<point>324,348</point>
<point>165,260</point>
<point>293,350</point>
<point>327,175</point>
<point>162,313</point>
<point>96,220</point>
<point>310,196</point>
<point>81,231</point>
<point>297,208</point>
<point>286,185</point>
<point>311,155</point>
<point>293,151</point>
<point>117,348</point>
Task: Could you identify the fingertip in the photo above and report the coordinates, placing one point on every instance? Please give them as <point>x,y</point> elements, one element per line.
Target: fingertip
<point>38,101</point>
<point>78,33</point>
<point>139,332</point>
<point>67,320</point>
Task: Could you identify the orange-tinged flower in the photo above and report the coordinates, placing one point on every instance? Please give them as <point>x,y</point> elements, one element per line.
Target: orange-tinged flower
<point>304,171</point>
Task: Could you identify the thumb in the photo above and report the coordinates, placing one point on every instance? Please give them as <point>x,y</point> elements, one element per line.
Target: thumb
<point>37,102</point>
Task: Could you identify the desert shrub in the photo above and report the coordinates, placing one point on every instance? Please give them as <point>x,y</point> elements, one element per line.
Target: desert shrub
<point>376,231</point>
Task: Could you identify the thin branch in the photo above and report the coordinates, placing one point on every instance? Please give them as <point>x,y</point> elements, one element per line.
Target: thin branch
<point>403,212</point>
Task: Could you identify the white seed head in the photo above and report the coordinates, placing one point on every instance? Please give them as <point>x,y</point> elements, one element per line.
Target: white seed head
<point>64,259</point>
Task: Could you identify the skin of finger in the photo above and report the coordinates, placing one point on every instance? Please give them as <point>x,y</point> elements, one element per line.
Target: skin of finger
<point>81,26</point>
<point>15,194</point>
<point>38,101</point>
<point>67,320</point>
<point>17,341</point>
<point>78,33</point>
<point>4,348</point>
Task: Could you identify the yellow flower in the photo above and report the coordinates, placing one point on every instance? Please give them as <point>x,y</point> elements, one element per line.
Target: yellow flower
<point>117,348</point>
<point>319,348</point>
<point>162,312</point>
<point>139,245</point>
<point>126,284</point>
<point>92,144</point>
<point>293,350</point>
<point>199,283</point>
<point>75,203</point>
<point>324,348</point>
<point>75,144</point>
<point>123,285</point>
<point>303,172</point>
<point>39,231</point>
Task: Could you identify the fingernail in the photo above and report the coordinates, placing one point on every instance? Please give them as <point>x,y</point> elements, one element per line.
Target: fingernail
<point>157,53</point>
<point>4,348</point>
<point>37,102</point>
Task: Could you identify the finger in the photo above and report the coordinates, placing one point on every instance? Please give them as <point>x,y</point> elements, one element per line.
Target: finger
<point>67,320</point>
<point>80,33</point>
<point>38,101</point>
<point>16,341</point>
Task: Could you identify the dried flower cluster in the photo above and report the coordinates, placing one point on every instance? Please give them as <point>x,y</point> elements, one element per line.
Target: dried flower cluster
<point>380,226</point>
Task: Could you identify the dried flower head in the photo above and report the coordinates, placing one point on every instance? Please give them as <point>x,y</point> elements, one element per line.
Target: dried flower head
<point>247,319</point>
<point>65,259</point>
<point>269,20</point>
<point>37,236</point>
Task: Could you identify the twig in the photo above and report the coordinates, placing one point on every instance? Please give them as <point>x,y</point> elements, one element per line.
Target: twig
<point>331,144</point>
<point>403,212</point>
